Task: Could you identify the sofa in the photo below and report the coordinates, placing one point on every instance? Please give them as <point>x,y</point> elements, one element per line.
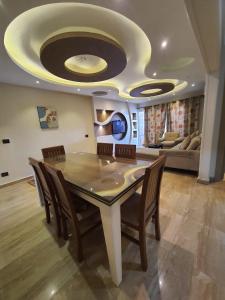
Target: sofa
<point>170,139</point>
<point>184,155</point>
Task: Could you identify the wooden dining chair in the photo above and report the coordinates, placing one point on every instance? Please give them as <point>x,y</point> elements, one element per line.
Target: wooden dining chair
<point>52,152</point>
<point>81,222</point>
<point>105,149</point>
<point>125,151</point>
<point>47,192</point>
<point>140,208</point>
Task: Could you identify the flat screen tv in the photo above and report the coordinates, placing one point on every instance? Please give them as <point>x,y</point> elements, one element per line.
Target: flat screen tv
<point>118,126</point>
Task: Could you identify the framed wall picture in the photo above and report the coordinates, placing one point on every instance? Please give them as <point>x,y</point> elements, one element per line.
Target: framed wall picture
<point>47,117</point>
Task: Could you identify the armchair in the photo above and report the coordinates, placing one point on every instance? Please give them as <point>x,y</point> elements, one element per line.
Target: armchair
<point>170,139</point>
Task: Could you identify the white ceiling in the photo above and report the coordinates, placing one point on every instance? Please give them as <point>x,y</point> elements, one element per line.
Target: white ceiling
<point>159,19</point>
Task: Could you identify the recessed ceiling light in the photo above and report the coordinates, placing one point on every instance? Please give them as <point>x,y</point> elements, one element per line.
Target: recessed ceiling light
<point>193,84</point>
<point>154,74</point>
<point>37,81</point>
<point>164,44</point>
<point>78,90</point>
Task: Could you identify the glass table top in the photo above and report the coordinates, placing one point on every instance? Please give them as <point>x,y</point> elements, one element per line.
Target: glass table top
<point>102,177</point>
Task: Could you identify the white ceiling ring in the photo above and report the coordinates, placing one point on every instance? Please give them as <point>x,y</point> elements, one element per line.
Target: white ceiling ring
<point>26,34</point>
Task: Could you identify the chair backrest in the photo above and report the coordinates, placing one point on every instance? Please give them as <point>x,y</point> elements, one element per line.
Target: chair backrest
<point>62,193</point>
<point>52,152</point>
<point>43,179</point>
<point>104,149</point>
<point>126,151</point>
<point>151,188</point>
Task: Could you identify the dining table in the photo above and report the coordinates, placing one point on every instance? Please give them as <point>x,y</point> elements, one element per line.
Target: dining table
<point>106,182</point>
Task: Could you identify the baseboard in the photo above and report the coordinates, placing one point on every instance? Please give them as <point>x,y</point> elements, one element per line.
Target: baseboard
<point>16,181</point>
<point>203,181</point>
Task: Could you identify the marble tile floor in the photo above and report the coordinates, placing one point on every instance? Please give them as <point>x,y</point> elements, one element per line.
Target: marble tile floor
<point>188,262</point>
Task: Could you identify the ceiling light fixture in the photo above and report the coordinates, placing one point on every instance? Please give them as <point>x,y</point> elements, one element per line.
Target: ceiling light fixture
<point>193,84</point>
<point>37,81</point>
<point>78,90</point>
<point>164,44</point>
<point>154,74</point>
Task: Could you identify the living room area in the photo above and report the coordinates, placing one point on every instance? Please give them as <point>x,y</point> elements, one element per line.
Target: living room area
<point>173,129</point>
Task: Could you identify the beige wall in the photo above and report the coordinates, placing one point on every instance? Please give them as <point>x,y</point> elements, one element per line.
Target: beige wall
<point>19,122</point>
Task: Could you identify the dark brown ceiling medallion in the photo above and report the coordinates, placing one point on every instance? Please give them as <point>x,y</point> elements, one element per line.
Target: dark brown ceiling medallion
<point>99,93</point>
<point>160,87</point>
<point>83,57</point>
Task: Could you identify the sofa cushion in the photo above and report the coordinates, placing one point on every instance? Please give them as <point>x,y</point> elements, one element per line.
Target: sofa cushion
<point>195,133</point>
<point>149,153</point>
<point>195,142</point>
<point>168,143</point>
<point>171,136</point>
<point>183,145</point>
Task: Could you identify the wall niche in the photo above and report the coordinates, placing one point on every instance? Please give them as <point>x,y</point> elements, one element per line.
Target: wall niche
<point>111,123</point>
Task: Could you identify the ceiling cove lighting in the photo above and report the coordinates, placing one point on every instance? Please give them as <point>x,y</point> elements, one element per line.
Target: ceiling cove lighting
<point>164,44</point>
<point>85,68</point>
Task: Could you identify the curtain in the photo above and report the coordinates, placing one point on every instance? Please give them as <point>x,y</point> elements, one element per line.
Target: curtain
<point>183,115</point>
<point>155,119</point>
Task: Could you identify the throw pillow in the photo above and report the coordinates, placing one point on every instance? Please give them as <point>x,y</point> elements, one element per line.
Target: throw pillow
<point>183,145</point>
<point>195,142</point>
<point>193,134</point>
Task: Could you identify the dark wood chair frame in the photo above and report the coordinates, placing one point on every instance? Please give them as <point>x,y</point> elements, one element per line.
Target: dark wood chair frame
<point>105,149</point>
<point>52,152</point>
<point>48,196</point>
<point>148,207</point>
<point>125,151</point>
<point>68,210</point>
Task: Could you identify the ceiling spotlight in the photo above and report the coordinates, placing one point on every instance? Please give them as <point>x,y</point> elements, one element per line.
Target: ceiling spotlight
<point>164,44</point>
<point>78,90</point>
<point>37,81</point>
<point>154,74</point>
<point>193,84</point>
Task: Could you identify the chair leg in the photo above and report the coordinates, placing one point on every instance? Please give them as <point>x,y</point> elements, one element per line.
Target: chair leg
<point>47,212</point>
<point>157,226</point>
<point>144,260</point>
<point>153,219</point>
<point>80,255</point>
<point>64,228</point>
<point>57,220</point>
<point>78,242</point>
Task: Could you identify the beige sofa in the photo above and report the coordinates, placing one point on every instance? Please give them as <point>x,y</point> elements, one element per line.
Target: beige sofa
<point>181,159</point>
<point>177,159</point>
<point>184,155</point>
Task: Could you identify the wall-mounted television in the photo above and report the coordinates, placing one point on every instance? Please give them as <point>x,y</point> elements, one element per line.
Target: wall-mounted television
<point>118,126</point>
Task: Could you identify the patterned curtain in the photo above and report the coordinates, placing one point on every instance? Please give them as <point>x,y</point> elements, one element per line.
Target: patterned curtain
<point>183,115</point>
<point>155,118</point>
